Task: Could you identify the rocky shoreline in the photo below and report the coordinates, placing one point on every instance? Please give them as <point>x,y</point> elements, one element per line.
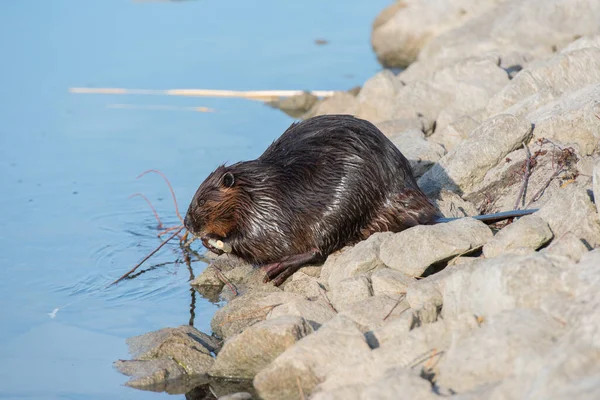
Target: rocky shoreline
<point>498,108</point>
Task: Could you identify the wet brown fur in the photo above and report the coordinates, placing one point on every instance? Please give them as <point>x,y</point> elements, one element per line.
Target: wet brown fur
<point>325,183</point>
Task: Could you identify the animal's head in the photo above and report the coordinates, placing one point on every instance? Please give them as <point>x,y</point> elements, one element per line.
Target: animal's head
<point>212,212</point>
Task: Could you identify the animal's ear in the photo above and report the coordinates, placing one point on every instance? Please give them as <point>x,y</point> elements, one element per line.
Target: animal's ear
<point>228,179</point>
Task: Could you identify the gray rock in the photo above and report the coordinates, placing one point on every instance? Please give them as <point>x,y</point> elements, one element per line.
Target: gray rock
<point>425,298</point>
<point>392,330</point>
<point>304,285</point>
<point>248,309</point>
<point>415,348</point>
<point>353,260</point>
<point>535,28</point>
<point>403,28</point>
<point>451,205</point>
<point>387,281</point>
<point>572,119</point>
<point>467,164</point>
<point>490,286</point>
<point>560,73</point>
<point>568,245</point>
<point>571,210</point>
<point>376,95</point>
<point>309,362</point>
<point>350,290</point>
<point>455,131</point>
<point>390,384</point>
<point>375,311</point>
<point>491,353</point>
<point>244,355</point>
<point>421,153</point>
<point>316,312</point>
<point>528,233</point>
<point>404,250</point>
<point>394,127</point>
<point>400,380</point>
<point>339,103</point>
<point>457,90</point>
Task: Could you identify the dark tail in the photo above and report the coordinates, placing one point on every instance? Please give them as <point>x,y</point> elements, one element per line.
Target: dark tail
<point>491,218</point>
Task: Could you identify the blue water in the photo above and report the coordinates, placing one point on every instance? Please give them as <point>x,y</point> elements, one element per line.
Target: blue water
<point>68,162</point>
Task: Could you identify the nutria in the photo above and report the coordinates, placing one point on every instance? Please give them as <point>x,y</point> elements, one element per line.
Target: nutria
<point>327,182</point>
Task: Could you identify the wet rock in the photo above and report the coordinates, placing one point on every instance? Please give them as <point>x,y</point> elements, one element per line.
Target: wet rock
<point>295,106</point>
<point>350,290</point>
<point>404,250</point>
<point>309,362</point>
<point>467,164</point>
<point>248,309</point>
<point>155,375</point>
<point>490,286</point>
<point>363,258</point>
<point>387,281</point>
<point>528,233</point>
<point>571,210</point>
<point>167,355</point>
<point>375,311</point>
<point>421,153</point>
<point>491,352</point>
<point>315,311</point>
<point>241,275</point>
<point>244,355</point>
<point>568,245</point>
<point>402,29</point>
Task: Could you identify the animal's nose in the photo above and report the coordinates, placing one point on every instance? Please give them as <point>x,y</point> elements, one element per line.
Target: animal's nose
<point>187,222</point>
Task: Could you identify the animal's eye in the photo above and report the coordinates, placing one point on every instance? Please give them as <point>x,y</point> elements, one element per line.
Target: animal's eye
<point>228,179</point>
<point>201,202</point>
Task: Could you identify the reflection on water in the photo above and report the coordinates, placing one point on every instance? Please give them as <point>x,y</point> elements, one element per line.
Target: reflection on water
<point>68,162</point>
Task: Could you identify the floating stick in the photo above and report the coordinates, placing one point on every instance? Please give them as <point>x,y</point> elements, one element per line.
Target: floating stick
<point>261,95</point>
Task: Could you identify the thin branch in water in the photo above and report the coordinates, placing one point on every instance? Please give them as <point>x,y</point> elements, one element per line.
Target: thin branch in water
<point>160,224</point>
<point>131,271</point>
<point>161,233</point>
<point>170,188</point>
